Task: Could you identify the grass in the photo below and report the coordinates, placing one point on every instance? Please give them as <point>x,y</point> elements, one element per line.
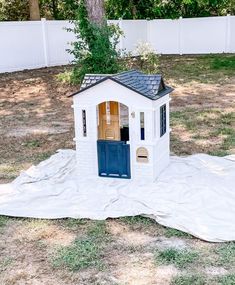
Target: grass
<point>188,280</point>
<point>227,280</point>
<point>170,232</point>
<point>5,263</point>
<point>137,220</point>
<point>203,69</point>
<point>32,143</point>
<point>226,254</point>
<point>3,221</point>
<point>180,258</point>
<point>82,254</point>
<point>209,130</point>
<point>42,156</point>
<point>224,63</point>
<point>85,252</point>
<point>73,224</point>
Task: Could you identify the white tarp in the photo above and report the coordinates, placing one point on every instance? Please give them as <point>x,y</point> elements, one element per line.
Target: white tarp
<point>195,194</point>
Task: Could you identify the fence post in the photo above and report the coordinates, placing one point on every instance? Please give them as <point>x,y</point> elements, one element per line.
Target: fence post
<point>121,36</point>
<point>228,33</point>
<point>148,32</point>
<point>44,39</point>
<point>180,36</point>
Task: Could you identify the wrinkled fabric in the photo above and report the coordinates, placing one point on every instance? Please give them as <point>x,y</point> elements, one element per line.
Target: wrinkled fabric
<point>195,194</point>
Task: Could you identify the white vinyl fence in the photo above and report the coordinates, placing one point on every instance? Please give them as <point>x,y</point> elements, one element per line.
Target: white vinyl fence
<point>28,45</point>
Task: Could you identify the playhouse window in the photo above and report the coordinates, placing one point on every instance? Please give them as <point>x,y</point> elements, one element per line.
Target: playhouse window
<point>154,123</point>
<point>162,120</point>
<point>124,122</point>
<point>142,129</point>
<point>84,123</point>
<point>113,121</point>
<point>108,112</point>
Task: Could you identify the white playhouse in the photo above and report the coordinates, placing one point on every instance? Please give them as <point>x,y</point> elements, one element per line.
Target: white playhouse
<point>122,125</point>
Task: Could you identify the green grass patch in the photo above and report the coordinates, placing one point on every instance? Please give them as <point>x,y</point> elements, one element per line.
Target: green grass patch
<point>137,220</point>
<point>170,232</point>
<point>180,258</point>
<point>203,69</point>
<point>218,152</point>
<point>82,254</point>
<point>221,63</point>
<point>32,144</point>
<point>210,131</point>
<point>227,279</point>
<point>5,263</point>
<point>188,280</point>
<point>226,254</point>
<point>85,252</point>
<point>42,156</point>
<point>3,221</point>
<point>73,223</point>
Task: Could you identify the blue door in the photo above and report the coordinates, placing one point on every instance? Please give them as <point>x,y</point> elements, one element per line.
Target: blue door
<point>113,159</point>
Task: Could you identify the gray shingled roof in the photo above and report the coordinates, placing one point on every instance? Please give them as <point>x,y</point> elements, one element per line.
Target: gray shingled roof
<point>151,86</point>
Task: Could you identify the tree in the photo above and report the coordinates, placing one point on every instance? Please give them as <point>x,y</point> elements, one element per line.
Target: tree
<point>95,47</point>
<point>34,11</point>
<point>95,11</point>
<point>14,10</point>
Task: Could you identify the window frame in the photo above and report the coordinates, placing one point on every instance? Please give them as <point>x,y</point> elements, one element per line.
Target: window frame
<point>142,134</point>
<point>163,120</point>
<point>84,123</point>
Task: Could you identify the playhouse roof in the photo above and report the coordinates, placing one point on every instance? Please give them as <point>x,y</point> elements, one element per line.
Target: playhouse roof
<point>150,86</point>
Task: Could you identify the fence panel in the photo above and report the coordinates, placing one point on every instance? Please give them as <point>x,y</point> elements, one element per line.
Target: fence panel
<point>164,36</point>
<point>27,45</point>
<point>58,40</point>
<point>21,46</point>
<point>203,35</point>
<point>135,31</point>
<point>232,34</point>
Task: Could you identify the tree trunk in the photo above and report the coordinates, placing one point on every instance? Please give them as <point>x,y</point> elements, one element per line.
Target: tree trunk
<point>95,10</point>
<point>34,11</point>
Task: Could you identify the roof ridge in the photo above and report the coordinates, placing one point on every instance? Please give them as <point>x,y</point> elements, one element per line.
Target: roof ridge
<point>98,74</point>
<point>127,71</point>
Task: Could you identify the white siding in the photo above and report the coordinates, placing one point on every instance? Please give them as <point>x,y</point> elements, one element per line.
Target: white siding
<point>158,148</point>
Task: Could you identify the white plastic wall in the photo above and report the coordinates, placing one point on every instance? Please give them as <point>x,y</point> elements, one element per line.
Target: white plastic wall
<point>86,147</point>
<point>28,45</point>
<point>164,36</point>
<point>202,35</point>
<point>231,34</point>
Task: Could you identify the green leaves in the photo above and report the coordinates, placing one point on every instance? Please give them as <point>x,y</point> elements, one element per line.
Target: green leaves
<point>95,49</point>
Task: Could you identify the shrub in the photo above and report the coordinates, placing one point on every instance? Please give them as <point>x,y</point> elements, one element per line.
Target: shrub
<point>148,58</point>
<point>95,48</point>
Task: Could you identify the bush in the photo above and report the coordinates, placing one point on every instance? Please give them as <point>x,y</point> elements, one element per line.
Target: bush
<point>149,59</point>
<point>95,48</point>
